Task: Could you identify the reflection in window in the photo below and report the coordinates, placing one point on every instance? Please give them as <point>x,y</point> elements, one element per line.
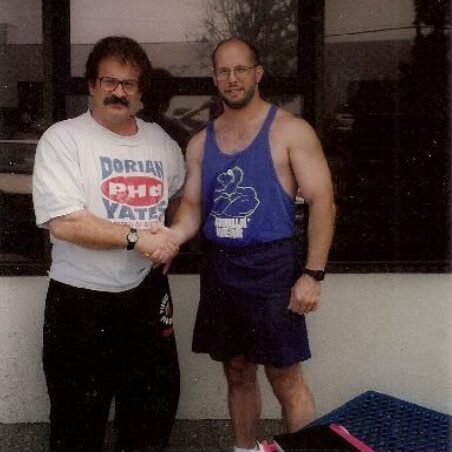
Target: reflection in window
<point>21,242</point>
<point>386,115</point>
<point>22,245</point>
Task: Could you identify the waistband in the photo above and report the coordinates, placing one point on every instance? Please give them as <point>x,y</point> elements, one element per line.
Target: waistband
<point>240,251</point>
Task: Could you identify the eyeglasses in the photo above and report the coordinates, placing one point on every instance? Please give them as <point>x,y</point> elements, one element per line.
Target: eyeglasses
<point>238,71</point>
<point>110,84</point>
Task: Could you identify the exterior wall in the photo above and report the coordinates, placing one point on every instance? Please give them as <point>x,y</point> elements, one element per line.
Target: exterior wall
<point>385,332</point>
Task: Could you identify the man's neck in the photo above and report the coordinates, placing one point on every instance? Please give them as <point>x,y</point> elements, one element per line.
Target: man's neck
<point>250,111</point>
<point>125,128</point>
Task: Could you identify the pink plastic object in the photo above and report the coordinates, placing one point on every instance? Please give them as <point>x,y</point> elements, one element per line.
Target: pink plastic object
<point>344,433</point>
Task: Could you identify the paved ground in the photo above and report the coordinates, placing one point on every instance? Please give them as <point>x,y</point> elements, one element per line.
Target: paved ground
<point>188,435</point>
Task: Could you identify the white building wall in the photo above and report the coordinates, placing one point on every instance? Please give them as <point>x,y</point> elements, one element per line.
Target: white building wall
<point>386,332</point>
<point>390,333</point>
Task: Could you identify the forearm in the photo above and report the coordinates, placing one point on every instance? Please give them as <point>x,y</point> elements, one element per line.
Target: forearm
<point>87,230</point>
<point>171,210</point>
<point>186,221</point>
<point>320,233</point>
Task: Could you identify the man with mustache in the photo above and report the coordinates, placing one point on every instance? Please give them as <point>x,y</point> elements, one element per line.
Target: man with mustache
<point>101,181</point>
<point>254,295</point>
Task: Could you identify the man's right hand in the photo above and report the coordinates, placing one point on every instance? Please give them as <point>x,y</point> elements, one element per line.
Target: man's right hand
<point>158,243</point>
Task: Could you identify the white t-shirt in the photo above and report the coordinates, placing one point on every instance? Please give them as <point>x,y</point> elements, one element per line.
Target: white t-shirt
<point>125,179</point>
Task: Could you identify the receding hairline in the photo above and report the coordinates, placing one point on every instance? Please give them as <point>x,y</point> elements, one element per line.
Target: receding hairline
<point>253,52</point>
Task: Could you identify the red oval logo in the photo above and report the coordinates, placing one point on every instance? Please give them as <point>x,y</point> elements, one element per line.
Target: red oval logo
<point>134,190</point>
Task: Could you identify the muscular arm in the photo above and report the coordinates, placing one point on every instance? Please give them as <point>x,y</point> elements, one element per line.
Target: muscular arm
<point>311,171</point>
<point>187,218</point>
<point>314,180</point>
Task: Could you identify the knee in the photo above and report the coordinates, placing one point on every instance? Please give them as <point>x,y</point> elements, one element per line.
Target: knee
<point>240,374</point>
<point>284,383</point>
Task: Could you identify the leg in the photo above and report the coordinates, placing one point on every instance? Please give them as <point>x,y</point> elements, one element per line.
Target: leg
<point>244,400</point>
<point>148,393</point>
<point>77,365</point>
<point>296,401</point>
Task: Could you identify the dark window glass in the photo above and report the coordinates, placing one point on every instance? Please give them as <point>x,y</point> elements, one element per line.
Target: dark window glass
<point>23,247</point>
<point>387,134</point>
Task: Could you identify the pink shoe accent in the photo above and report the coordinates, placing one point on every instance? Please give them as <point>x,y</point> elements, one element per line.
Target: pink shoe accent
<point>266,446</point>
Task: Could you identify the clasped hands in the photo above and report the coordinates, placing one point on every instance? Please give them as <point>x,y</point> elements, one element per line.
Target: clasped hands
<point>159,243</point>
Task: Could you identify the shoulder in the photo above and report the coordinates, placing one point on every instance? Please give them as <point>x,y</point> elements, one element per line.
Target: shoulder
<point>64,136</point>
<point>156,134</point>
<point>286,123</point>
<point>67,126</point>
<point>294,133</point>
<point>195,148</point>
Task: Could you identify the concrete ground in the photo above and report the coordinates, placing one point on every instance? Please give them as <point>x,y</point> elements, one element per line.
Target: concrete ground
<point>188,435</point>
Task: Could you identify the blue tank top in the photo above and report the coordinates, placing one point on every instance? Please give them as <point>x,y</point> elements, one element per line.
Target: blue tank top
<point>244,203</point>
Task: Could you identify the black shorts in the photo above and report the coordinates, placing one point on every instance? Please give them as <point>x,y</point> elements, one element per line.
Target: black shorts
<point>243,308</point>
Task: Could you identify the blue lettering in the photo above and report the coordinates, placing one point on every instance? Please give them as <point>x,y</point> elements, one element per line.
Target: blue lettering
<point>130,166</point>
<point>141,213</point>
<point>107,166</point>
<point>150,167</point>
<point>111,208</point>
<point>159,168</point>
<point>118,165</point>
<point>126,212</point>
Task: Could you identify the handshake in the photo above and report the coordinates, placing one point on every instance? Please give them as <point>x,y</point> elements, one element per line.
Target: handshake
<point>159,243</point>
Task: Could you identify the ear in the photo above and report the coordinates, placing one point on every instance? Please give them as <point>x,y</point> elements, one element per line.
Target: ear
<point>91,86</point>
<point>259,73</point>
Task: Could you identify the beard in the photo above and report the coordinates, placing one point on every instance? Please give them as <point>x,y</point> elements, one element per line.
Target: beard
<point>239,104</point>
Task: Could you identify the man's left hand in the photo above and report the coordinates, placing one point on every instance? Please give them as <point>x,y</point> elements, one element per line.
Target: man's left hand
<point>305,295</point>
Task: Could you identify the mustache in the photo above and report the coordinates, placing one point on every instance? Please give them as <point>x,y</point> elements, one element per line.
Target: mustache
<point>111,100</point>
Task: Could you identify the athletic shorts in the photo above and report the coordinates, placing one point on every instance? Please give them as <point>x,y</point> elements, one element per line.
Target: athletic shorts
<point>243,309</point>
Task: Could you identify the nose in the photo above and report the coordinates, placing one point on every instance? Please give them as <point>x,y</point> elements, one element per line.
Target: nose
<point>119,90</point>
<point>231,76</point>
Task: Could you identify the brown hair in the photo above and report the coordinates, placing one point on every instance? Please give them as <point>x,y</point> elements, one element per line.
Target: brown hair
<point>123,49</point>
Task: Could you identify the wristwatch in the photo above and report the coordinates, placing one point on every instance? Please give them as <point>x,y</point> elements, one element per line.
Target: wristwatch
<point>318,275</point>
<point>132,238</point>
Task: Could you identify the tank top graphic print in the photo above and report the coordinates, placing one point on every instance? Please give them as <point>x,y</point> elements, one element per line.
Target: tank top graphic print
<point>244,203</point>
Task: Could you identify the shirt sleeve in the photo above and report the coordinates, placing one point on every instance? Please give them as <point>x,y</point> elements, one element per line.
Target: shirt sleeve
<point>57,183</point>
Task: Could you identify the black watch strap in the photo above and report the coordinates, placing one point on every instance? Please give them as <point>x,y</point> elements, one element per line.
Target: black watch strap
<point>318,275</point>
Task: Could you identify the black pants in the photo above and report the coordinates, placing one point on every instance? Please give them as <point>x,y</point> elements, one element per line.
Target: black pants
<point>98,345</point>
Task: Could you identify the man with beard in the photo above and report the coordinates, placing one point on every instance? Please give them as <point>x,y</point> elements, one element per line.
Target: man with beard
<point>244,171</point>
<point>100,182</point>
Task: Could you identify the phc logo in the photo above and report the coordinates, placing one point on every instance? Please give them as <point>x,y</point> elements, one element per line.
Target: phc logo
<point>133,190</point>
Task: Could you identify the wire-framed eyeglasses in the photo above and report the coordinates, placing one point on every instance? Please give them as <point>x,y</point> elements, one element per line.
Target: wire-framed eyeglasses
<point>238,71</point>
<point>109,84</point>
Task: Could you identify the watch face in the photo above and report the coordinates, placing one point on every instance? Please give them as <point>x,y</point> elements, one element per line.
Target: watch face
<point>132,237</point>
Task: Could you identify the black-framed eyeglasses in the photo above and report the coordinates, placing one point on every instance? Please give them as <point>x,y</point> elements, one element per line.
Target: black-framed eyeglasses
<point>109,84</point>
<point>238,71</point>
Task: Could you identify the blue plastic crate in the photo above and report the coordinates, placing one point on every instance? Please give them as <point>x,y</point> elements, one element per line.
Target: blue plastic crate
<point>388,424</point>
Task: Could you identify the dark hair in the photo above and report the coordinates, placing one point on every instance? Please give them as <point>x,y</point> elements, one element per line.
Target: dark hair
<point>255,57</point>
<point>125,50</point>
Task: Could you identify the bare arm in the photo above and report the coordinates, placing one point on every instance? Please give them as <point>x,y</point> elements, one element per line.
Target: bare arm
<point>314,180</point>
<point>89,231</point>
<point>187,218</point>
<point>311,171</point>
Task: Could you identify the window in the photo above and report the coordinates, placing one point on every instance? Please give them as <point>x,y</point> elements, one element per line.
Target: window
<point>385,121</point>
<point>23,247</point>
<point>374,86</point>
